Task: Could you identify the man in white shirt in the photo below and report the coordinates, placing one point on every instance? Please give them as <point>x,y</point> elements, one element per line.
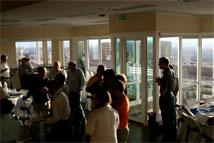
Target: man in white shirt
<point>4,71</point>
<point>60,112</point>
<point>52,74</point>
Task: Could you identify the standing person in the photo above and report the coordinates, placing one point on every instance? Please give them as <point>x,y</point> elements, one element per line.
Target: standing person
<point>103,122</point>
<point>38,89</point>
<point>56,70</point>
<point>60,111</point>
<point>166,100</point>
<point>76,82</point>
<point>4,71</point>
<point>60,78</point>
<point>121,104</point>
<point>175,92</point>
<point>25,70</point>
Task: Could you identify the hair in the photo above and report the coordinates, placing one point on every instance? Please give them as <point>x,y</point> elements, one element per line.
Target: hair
<point>170,66</point>
<point>58,62</point>
<point>53,84</point>
<point>164,60</point>
<point>122,77</point>
<point>6,106</point>
<point>3,57</point>
<point>61,78</point>
<point>118,84</point>
<point>100,67</point>
<point>103,97</point>
<point>109,73</point>
<point>72,63</point>
<point>40,69</point>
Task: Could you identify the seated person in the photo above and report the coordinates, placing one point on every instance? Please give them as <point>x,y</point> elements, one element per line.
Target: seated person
<point>59,114</point>
<point>2,93</point>
<point>10,128</point>
<point>38,89</point>
<point>56,70</point>
<point>60,78</point>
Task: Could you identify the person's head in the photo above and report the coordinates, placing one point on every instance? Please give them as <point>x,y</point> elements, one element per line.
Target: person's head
<point>122,77</point>
<point>163,63</point>
<point>6,106</point>
<point>118,87</point>
<point>102,97</point>
<point>109,76</point>
<point>72,65</point>
<point>57,66</point>
<point>60,78</point>
<point>24,61</point>
<point>100,69</point>
<point>53,86</point>
<point>3,58</point>
<point>170,66</point>
<point>41,72</point>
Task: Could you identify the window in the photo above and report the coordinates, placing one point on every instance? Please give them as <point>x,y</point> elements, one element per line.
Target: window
<point>32,50</point>
<point>66,52</point>
<point>106,52</point>
<point>49,52</point>
<point>117,54</point>
<point>93,49</point>
<point>81,55</point>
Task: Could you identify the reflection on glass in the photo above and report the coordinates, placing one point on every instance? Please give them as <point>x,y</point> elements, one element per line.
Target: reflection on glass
<point>66,52</point>
<point>49,50</point>
<point>189,93</point>
<point>189,60</point>
<point>32,50</point>
<point>207,92</point>
<point>133,70</point>
<point>81,55</point>
<point>149,73</point>
<point>106,52</point>
<point>169,48</point>
<point>117,54</point>
<point>207,71</point>
<point>93,55</point>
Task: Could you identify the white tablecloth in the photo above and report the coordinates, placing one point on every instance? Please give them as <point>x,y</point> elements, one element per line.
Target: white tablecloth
<point>205,112</point>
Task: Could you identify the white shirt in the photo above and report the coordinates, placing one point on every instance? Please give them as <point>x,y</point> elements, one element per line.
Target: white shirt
<point>102,124</point>
<point>10,128</point>
<point>61,108</point>
<point>6,73</point>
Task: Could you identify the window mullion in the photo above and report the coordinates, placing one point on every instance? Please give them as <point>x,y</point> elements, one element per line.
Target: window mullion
<point>199,67</point>
<point>180,64</point>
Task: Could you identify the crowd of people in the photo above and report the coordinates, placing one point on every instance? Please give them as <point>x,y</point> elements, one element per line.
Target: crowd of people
<point>108,120</point>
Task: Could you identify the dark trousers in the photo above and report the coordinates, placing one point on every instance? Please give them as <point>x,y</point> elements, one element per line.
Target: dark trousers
<point>76,106</point>
<point>60,131</point>
<point>25,81</point>
<point>168,116</point>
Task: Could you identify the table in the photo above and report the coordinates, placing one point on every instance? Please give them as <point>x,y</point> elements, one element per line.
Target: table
<point>205,112</point>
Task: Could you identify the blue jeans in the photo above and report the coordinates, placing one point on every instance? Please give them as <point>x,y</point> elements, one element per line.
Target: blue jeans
<point>168,116</point>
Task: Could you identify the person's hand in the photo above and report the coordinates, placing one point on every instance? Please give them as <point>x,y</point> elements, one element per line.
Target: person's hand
<point>44,89</point>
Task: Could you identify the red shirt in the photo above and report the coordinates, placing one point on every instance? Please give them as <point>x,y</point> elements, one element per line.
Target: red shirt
<point>121,104</point>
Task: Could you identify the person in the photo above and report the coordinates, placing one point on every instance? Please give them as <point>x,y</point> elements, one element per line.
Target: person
<point>122,77</point>
<point>2,93</point>
<point>76,82</point>
<point>4,71</point>
<point>92,85</point>
<point>60,111</point>
<point>103,122</point>
<point>121,104</point>
<point>10,128</point>
<point>52,74</point>
<point>60,78</point>
<point>25,70</point>
<point>109,77</point>
<point>38,89</point>
<point>175,92</point>
<point>166,100</point>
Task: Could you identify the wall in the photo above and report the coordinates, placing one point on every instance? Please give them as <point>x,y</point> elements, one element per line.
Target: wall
<point>208,23</point>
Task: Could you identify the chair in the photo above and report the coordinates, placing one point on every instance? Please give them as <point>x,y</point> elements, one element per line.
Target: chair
<point>193,133</point>
<point>207,132</point>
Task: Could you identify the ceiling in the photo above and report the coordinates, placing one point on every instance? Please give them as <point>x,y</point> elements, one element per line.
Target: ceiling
<point>69,13</point>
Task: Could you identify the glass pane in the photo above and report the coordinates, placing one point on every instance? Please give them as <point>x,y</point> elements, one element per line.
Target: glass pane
<point>93,55</point>
<point>207,71</point>
<point>117,54</point>
<point>28,50</point>
<point>106,52</point>
<point>207,93</point>
<point>169,48</point>
<point>133,70</point>
<point>49,50</point>
<point>189,94</point>
<point>66,52</point>
<point>189,60</point>
<point>81,55</point>
<point>40,55</point>
<point>149,73</point>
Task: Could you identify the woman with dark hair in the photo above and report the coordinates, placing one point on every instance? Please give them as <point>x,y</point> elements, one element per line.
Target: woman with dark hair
<point>104,120</point>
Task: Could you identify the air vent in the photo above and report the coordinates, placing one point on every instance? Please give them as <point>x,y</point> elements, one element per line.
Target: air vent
<point>76,15</point>
<point>9,20</point>
<point>103,21</point>
<point>128,7</point>
<point>43,19</point>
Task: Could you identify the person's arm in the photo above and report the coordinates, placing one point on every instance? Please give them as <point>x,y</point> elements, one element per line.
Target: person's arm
<point>4,70</point>
<point>91,124</point>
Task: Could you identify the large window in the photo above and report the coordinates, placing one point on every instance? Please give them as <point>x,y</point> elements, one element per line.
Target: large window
<point>49,52</point>
<point>93,48</point>
<point>66,52</point>
<point>30,49</point>
<point>106,52</point>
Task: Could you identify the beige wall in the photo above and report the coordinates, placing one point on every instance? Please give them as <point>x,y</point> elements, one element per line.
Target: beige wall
<point>208,24</point>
